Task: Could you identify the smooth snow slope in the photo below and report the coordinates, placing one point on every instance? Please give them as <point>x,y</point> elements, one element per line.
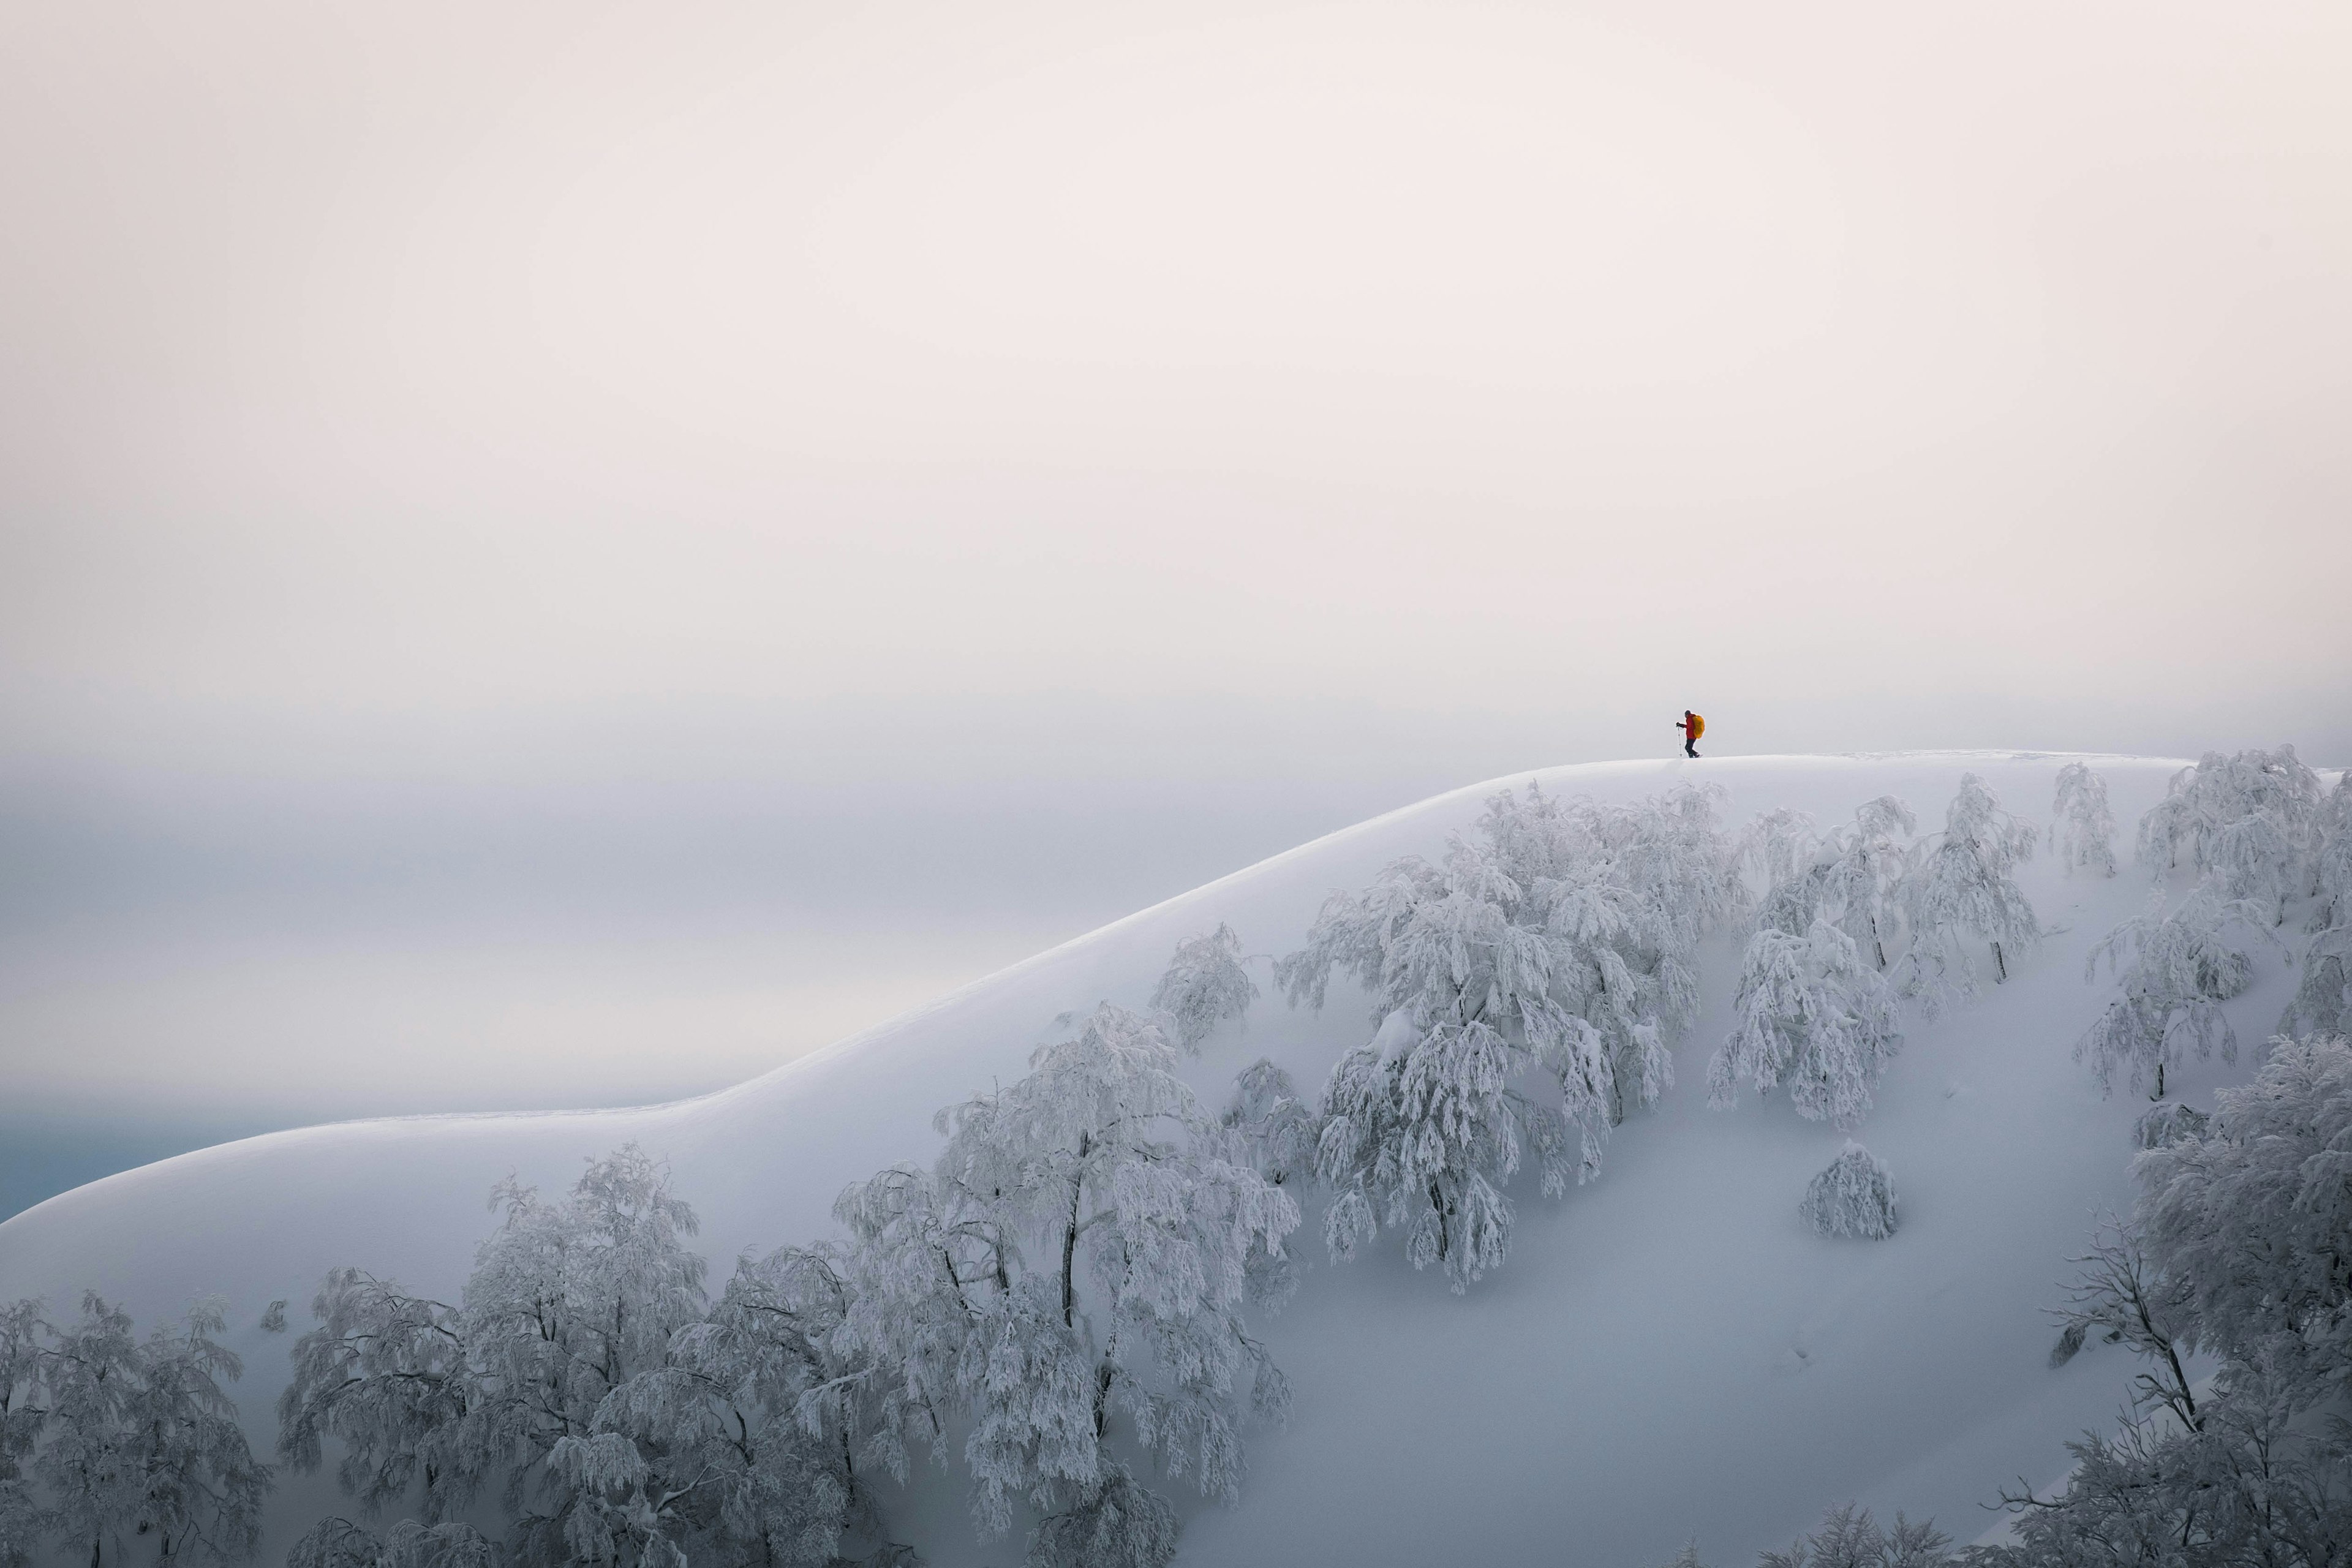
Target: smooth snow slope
<point>1668,1351</point>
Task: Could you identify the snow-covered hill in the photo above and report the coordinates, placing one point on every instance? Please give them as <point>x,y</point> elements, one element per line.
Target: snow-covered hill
<point>1668,1351</point>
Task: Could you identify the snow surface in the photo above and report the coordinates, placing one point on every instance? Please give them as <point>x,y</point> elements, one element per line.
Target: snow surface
<point>1668,1351</point>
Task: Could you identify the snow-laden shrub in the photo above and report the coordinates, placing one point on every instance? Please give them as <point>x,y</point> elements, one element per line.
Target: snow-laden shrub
<point>1959,885</point>
<point>2182,969</point>
<point>2083,828</point>
<point>1854,1196</point>
<point>2168,1121</point>
<point>1204,985</point>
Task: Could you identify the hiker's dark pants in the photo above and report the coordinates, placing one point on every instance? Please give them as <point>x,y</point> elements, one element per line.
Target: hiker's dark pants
<point>1690,747</point>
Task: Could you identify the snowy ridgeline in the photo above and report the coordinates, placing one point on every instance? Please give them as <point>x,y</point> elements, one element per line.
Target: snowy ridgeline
<point>1061,1308</point>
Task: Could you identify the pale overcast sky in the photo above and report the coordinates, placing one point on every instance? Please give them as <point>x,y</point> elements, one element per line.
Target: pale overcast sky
<point>560,552</point>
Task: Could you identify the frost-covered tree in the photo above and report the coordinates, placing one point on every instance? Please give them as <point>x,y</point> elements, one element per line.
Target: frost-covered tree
<point>23,1356</point>
<point>1559,942</point>
<point>2168,1121</point>
<point>1276,1131</point>
<point>339,1543</point>
<point>555,1377</point>
<point>140,1440</point>
<point>1848,1536</point>
<point>1425,1126</point>
<point>2083,826</point>
<point>2181,970</point>
<point>2250,1220</point>
<point>2120,1298</point>
<point>1813,1018</point>
<point>2249,823</point>
<point>86,1466</point>
<point>1860,871</point>
<point>201,1490</point>
<point>1204,985</point>
<point>756,1440</point>
<point>1082,1256</point>
<point>2323,1001</point>
<point>1777,844</point>
<point>1813,1012</point>
<point>1852,1195</point>
<point>569,1300</point>
<point>2235,1251</point>
<point>1959,885</point>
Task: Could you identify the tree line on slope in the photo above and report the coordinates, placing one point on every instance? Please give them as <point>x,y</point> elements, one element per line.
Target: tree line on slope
<point>625,1419</point>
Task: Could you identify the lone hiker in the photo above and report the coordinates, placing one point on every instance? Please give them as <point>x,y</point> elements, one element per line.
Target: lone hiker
<point>1692,727</point>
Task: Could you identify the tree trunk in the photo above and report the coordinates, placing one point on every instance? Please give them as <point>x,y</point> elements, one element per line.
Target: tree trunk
<point>1070,1243</point>
<point>1445,1231</point>
<point>2000,964</point>
<point>2159,1081</point>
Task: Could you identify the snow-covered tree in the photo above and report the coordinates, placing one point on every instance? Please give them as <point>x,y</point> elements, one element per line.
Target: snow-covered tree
<point>385,1376</point>
<point>23,1334</point>
<point>1852,1195</point>
<point>1814,1017</point>
<point>2250,1220</point>
<point>1276,1130</point>
<point>1959,885</point>
<point>1425,1126</point>
<point>1862,870</point>
<point>1813,1012</point>
<point>1850,876</point>
<point>555,1377</point>
<point>1559,942</point>
<point>2083,826</point>
<point>2323,1001</point>
<point>1848,1536</point>
<point>569,1299</point>
<point>2168,1121</point>
<point>2121,1298</point>
<point>86,1467</point>
<point>1777,844</point>
<point>201,1490</point>
<point>339,1543</point>
<point>2233,1251</point>
<point>1084,1252</point>
<point>2248,821</point>
<point>1852,1539</point>
<point>140,1440</point>
<point>1204,985</point>
<point>2181,970</point>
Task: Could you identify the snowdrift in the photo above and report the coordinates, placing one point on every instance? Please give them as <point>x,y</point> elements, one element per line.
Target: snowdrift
<point>1669,1350</point>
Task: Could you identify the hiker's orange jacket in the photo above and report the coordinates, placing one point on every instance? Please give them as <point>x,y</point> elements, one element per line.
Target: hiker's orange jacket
<point>1698,726</point>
